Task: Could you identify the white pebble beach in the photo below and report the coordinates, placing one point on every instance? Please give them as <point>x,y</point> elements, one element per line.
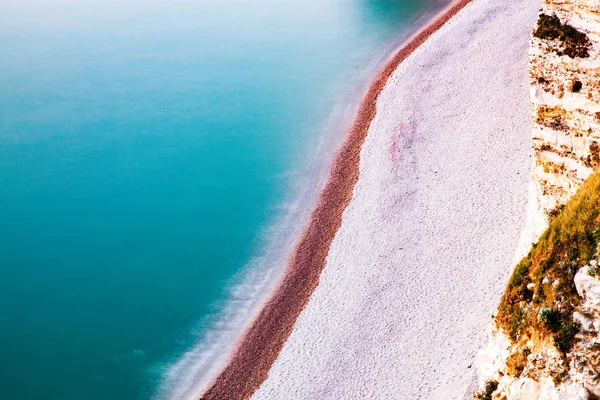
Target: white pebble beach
<point>427,242</point>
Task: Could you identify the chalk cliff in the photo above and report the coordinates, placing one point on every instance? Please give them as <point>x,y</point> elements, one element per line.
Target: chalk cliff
<point>544,341</point>
<point>565,94</point>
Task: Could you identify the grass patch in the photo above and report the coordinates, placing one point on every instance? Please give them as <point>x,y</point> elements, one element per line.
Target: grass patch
<point>573,43</point>
<point>569,243</point>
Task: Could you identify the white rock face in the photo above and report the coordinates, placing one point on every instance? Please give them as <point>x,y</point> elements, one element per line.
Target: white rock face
<point>524,388</point>
<point>527,388</point>
<point>492,359</point>
<point>586,360</point>
<point>588,287</point>
<point>565,120</point>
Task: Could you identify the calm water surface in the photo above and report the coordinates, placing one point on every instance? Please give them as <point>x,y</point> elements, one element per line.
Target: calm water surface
<point>145,149</point>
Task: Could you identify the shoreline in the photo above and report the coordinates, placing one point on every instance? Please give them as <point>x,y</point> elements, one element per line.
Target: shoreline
<point>260,344</point>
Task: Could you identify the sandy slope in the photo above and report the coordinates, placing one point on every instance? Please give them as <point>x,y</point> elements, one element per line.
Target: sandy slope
<point>426,242</point>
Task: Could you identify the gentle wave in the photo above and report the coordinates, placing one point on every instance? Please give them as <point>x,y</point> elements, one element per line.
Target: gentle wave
<point>189,376</point>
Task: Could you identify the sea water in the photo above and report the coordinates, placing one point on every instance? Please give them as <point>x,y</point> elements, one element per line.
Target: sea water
<point>151,153</point>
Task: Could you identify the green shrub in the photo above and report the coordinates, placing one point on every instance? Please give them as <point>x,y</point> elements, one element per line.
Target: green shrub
<point>565,337</point>
<point>547,315</point>
<point>487,391</point>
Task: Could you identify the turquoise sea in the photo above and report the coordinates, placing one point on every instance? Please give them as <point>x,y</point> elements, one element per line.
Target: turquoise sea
<point>151,155</point>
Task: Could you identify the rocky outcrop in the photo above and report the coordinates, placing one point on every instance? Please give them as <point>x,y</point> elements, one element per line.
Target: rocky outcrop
<point>564,67</point>
<point>586,352</point>
<point>565,105</point>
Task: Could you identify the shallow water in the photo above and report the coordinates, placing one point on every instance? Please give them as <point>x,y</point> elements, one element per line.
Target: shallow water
<point>147,151</point>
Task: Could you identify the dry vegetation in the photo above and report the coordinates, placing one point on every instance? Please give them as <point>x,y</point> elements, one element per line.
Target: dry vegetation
<point>540,297</point>
<point>572,42</point>
<point>593,159</point>
<point>551,117</point>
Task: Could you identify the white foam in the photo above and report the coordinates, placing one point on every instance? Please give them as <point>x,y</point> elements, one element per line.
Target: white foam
<point>189,376</point>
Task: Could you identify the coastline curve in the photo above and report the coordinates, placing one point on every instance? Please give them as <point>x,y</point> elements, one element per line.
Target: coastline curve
<point>262,341</point>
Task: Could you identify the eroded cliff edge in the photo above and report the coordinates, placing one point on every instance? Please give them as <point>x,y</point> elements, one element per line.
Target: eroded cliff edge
<point>564,67</point>
<point>544,340</point>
